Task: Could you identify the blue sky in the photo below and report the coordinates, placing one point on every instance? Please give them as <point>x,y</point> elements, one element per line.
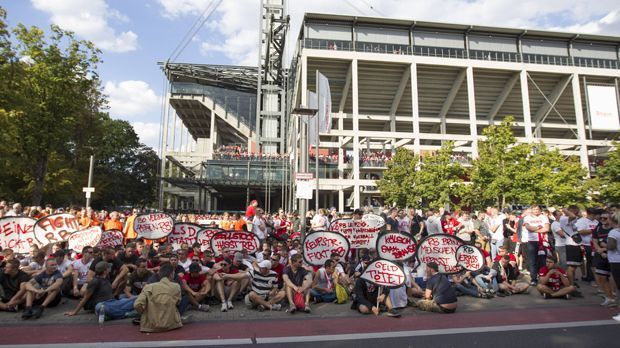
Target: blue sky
<point>135,34</point>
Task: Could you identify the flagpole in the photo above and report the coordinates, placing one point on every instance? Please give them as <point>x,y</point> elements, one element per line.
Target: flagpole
<point>316,156</point>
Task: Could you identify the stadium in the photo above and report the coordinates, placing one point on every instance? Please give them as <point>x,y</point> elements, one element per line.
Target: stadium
<point>233,134</point>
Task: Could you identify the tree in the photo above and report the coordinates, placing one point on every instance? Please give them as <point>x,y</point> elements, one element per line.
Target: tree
<point>398,180</point>
<point>608,177</point>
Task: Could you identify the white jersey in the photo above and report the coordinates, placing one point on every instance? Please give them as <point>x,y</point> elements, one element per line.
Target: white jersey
<point>499,232</point>
<point>403,224</point>
<point>82,270</point>
<point>569,228</point>
<point>586,224</point>
<point>535,221</point>
<point>555,228</point>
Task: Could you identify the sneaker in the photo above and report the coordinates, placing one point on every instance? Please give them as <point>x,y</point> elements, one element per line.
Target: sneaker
<point>612,303</point>
<point>229,304</point>
<point>616,318</point>
<point>27,314</point>
<point>393,313</point>
<point>204,307</point>
<point>567,296</point>
<point>261,308</point>
<point>307,309</point>
<point>37,312</point>
<point>224,307</point>
<point>276,307</point>
<point>292,309</point>
<point>533,283</point>
<point>546,296</point>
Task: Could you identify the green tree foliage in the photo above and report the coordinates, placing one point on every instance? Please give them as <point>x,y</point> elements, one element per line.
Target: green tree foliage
<point>432,181</point>
<point>607,182</point>
<point>49,115</point>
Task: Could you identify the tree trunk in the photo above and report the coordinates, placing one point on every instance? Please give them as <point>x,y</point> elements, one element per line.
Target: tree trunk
<point>39,171</point>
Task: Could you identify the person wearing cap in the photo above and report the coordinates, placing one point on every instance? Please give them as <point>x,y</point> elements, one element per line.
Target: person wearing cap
<point>264,292</point>
<point>196,286</point>
<point>115,275</point>
<point>99,294</point>
<point>158,303</point>
<point>439,296</point>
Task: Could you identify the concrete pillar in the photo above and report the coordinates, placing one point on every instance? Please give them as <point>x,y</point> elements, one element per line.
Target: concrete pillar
<point>581,129</point>
<point>471,99</point>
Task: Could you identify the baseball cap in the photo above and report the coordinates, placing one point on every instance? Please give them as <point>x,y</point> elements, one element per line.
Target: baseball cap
<point>265,264</point>
<point>358,212</point>
<point>102,266</point>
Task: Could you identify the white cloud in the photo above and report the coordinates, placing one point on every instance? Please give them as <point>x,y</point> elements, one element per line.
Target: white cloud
<point>148,132</point>
<point>132,99</point>
<point>90,19</point>
<point>234,29</point>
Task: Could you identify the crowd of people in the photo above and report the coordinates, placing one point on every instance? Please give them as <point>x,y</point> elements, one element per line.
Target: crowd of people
<point>555,252</point>
<point>239,153</point>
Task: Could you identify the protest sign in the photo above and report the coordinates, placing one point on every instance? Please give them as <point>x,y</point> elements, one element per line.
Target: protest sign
<point>183,233</point>
<point>396,246</point>
<point>469,257</point>
<point>204,237</point>
<point>235,241</point>
<point>153,226</point>
<point>440,248</point>
<point>384,273</point>
<point>17,233</point>
<point>318,246</point>
<point>111,239</point>
<point>360,233</point>
<point>55,228</point>
<point>88,237</point>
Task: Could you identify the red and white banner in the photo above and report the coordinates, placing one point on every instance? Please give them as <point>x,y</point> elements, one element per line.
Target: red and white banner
<point>111,239</point>
<point>318,247</point>
<point>204,237</point>
<point>469,257</point>
<point>360,233</point>
<point>235,241</point>
<point>88,237</point>
<point>183,233</point>
<point>384,273</point>
<point>395,246</point>
<point>153,226</point>
<point>17,233</point>
<point>55,228</point>
<point>441,249</point>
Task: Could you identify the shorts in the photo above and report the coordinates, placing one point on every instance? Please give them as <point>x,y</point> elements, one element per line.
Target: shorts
<point>601,265</point>
<point>249,304</point>
<point>573,255</point>
<point>55,302</point>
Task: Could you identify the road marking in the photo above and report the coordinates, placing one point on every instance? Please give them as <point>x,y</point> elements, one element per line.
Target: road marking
<point>319,338</point>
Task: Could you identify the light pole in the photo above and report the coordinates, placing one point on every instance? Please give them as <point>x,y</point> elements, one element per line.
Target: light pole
<point>303,159</point>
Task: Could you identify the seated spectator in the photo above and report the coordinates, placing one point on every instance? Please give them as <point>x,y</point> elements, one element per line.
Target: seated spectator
<point>323,288</point>
<point>553,281</point>
<point>12,286</point>
<point>367,298</point>
<point>297,280</point>
<point>116,272</point>
<point>226,286</point>
<point>439,296</point>
<point>137,280</point>
<point>80,272</point>
<point>158,303</point>
<point>464,284</point>
<point>264,293</point>
<point>197,286</point>
<point>507,277</point>
<point>99,296</point>
<point>43,290</point>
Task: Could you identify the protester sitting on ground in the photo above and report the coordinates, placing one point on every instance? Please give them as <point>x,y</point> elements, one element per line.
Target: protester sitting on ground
<point>37,265</point>
<point>80,272</point>
<point>277,267</point>
<point>339,274</point>
<point>137,280</point>
<point>464,284</point>
<point>12,286</point>
<point>196,286</point>
<point>264,292</point>
<point>553,281</point>
<point>65,266</point>
<point>507,277</point>
<point>368,300</point>
<point>43,290</point>
<point>439,296</point>
<point>323,284</point>
<point>297,280</point>
<point>227,289</point>
<point>108,255</point>
<point>158,303</point>
<point>99,296</point>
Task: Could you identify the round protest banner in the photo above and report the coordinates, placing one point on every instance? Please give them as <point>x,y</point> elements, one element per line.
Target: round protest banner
<point>88,237</point>
<point>384,273</point>
<point>396,246</point>
<point>441,249</point>
<point>204,237</point>
<point>111,239</point>
<point>153,226</point>
<point>469,257</point>
<point>183,233</point>
<point>360,233</point>
<point>55,228</point>
<point>235,241</point>
<point>17,233</point>
<point>318,246</point>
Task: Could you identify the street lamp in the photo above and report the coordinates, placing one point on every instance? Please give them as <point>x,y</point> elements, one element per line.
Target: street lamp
<point>304,111</point>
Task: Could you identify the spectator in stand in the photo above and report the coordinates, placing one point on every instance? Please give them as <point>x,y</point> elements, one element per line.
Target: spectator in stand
<point>553,281</point>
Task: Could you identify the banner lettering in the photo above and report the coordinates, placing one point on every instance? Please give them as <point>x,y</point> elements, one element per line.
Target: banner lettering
<point>395,246</point>
<point>384,273</point>
<point>17,233</point>
<point>318,246</point>
<point>235,241</point>
<point>183,233</point>
<point>153,226</point>
<point>83,238</point>
<point>469,257</point>
<point>360,233</point>
<point>111,239</point>
<point>55,228</point>
<point>441,249</point>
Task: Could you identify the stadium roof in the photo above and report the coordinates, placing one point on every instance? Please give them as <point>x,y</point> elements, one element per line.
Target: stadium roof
<point>240,78</point>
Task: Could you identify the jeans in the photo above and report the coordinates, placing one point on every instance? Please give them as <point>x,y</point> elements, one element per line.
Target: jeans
<point>482,281</point>
<point>535,261</point>
<point>495,244</point>
<point>466,290</point>
<point>561,250</point>
<point>116,309</point>
<point>320,296</point>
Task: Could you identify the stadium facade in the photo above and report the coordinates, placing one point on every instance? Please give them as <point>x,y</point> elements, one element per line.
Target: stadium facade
<point>394,83</point>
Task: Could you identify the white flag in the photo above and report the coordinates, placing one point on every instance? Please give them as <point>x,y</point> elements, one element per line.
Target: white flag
<point>313,103</point>
<point>325,105</point>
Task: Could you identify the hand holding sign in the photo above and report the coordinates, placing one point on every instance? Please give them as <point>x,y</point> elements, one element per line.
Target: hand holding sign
<point>384,273</point>
<point>469,257</point>
<point>318,247</point>
<point>153,226</point>
<point>395,246</point>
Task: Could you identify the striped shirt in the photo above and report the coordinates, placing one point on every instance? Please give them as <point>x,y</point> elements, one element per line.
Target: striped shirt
<point>262,284</point>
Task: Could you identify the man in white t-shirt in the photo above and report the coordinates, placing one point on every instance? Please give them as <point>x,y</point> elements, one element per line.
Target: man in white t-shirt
<point>433,222</point>
<point>259,227</point>
<point>585,227</point>
<point>80,271</point>
<point>536,225</point>
<point>404,223</point>
<point>496,228</point>
<point>574,259</point>
<point>560,238</point>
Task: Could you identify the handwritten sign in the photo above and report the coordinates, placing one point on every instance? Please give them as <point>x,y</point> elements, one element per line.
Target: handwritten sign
<point>55,228</point>
<point>183,233</point>
<point>441,249</point>
<point>384,273</point>
<point>235,241</point>
<point>111,239</point>
<point>318,246</point>
<point>469,257</point>
<point>204,237</point>
<point>153,226</point>
<point>88,237</point>
<point>360,233</point>
<point>17,233</point>
<point>395,246</point>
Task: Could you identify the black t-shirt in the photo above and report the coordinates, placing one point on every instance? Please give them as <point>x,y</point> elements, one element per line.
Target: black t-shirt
<point>600,233</point>
<point>102,291</point>
<point>128,260</point>
<point>296,278</point>
<point>392,222</point>
<point>415,224</point>
<point>442,291</point>
<point>11,284</point>
<point>116,267</point>
<point>137,282</point>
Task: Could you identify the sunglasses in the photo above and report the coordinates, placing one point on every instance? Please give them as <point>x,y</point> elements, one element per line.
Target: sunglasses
<point>196,260</point>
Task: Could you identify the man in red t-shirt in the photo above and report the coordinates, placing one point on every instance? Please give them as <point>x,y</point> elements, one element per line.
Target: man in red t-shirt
<point>501,251</point>
<point>553,281</point>
<point>250,211</point>
<point>197,286</point>
<point>449,224</point>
